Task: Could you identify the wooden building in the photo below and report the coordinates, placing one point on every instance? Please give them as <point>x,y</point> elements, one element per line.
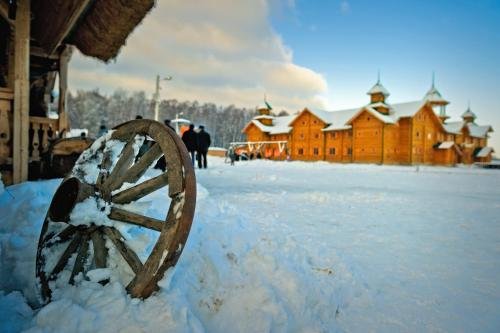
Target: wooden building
<point>36,39</point>
<point>404,133</point>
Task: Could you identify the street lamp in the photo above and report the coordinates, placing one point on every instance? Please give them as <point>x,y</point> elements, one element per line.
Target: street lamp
<point>156,95</point>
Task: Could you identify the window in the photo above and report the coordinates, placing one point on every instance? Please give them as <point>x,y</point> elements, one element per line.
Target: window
<point>316,151</point>
<point>332,151</point>
<point>315,122</point>
<point>301,135</point>
<point>349,133</point>
<point>418,134</point>
<point>301,151</point>
<point>368,118</point>
<point>303,122</point>
<point>316,136</point>
<point>333,135</point>
<point>429,136</point>
<point>349,151</point>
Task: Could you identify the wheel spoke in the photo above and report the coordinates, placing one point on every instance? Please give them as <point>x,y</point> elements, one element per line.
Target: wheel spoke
<point>104,168</point>
<point>125,159</point>
<point>141,190</point>
<point>72,247</point>
<point>61,237</point>
<point>165,252</point>
<point>100,250</point>
<point>81,258</point>
<point>139,167</point>
<point>127,253</point>
<point>122,215</point>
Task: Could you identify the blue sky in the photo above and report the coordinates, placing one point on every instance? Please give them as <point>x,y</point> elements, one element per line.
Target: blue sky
<point>316,54</point>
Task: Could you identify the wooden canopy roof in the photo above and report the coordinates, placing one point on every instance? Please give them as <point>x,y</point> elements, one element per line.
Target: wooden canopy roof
<point>98,28</point>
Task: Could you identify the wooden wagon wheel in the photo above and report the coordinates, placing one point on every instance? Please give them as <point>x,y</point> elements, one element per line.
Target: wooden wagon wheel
<point>82,226</point>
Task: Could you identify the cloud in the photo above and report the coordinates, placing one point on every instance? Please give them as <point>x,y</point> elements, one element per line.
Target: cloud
<point>219,51</point>
<point>345,7</point>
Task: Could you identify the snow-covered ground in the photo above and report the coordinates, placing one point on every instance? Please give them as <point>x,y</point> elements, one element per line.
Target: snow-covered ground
<point>301,247</point>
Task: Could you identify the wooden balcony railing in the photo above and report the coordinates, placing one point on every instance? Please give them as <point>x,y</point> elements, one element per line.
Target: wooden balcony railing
<point>41,132</point>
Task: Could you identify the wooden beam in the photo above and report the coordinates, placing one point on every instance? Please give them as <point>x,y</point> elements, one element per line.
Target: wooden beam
<point>63,86</point>
<point>68,25</point>
<point>39,52</point>
<point>4,13</point>
<point>21,91</point>
<point>55,20</point>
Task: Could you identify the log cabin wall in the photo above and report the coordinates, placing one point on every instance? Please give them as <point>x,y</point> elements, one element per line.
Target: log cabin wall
<point>404,148</point>
<point>273,150</point>
<point>338,146</point>
<point>445,157</point>
<point>391,144</point>
<point>425,130</point>
<point>367,139</point>
<point>255,134</point>
<point>307,142</point>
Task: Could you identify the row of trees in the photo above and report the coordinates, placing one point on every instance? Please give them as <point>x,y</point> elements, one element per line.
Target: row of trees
<point>90,109</point>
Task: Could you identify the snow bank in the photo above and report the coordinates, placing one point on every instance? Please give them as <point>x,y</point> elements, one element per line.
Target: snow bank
<point>308,247</point>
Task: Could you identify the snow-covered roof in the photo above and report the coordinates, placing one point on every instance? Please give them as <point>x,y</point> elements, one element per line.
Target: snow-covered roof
<point>484,152</point>
<point>337,120</point>
<point>469,114</point>
<point>280,124</point>
<point>479,131</point>
<point>446,145</point>
<point>341,119</point>
<point>379,104</point>
<point>407,109</point>
<point>264,116</point>
<point>454,127</point>
<point>378,88</point>
<point>434,96</point>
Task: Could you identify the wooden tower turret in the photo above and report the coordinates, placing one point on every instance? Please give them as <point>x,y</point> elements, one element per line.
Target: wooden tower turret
<point>378,95</point>
<point>468,116</point>
<point>438,103</point>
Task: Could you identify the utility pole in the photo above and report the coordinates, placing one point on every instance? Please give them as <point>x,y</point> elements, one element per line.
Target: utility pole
<point>156,95</point>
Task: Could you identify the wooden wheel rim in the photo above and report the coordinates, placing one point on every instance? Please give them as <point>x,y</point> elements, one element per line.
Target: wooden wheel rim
<point>107,188</point>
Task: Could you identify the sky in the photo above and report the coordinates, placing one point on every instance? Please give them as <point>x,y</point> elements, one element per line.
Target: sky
<point>316,54</point>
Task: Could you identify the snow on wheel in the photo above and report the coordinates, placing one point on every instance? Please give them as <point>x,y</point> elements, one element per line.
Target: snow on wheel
<point>96,227</point>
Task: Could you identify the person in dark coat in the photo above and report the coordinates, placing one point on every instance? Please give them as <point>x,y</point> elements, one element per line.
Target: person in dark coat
<point>203,144</point>
<point>190,139</point>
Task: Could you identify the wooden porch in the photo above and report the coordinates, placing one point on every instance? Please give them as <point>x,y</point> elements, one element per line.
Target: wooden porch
<point>37,39</point>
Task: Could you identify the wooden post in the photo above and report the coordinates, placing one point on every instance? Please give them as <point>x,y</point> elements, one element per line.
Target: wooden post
<point>21,91</point>
<point>63,87</point>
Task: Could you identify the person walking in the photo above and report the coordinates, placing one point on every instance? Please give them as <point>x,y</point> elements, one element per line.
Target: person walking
<point>102,130</point>
<point>232,154</point>
<point>203,144</point>
<point>190,138</point>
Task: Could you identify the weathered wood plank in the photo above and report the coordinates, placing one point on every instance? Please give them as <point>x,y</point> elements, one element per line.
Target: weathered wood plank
<point>61,237</point>
<point>21,91</point>
<point>61,263</point>
<point>81,258</point>
<point>100,250</point>
<point>122,215</point>
<point>125,159</point>
<point>141,190</point>
<point>63,86</point>
<point>127,253</point>
<point>139,167</point>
